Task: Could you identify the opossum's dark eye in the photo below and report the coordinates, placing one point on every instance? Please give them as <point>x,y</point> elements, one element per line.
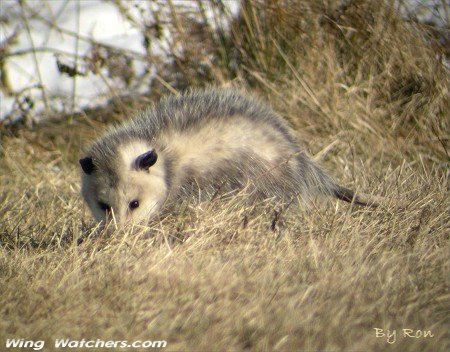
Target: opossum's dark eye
<point>104,206</point>
<point>133,204</point>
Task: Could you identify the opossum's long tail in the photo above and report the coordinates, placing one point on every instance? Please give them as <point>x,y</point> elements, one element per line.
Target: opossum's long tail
<point>312,177</point>
<point>349,196</point>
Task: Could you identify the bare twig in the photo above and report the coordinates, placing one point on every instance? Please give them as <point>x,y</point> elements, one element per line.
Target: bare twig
<point>38,71</point>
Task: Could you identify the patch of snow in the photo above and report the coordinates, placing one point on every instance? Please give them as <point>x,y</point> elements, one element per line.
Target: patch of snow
<point>64,34</point>
<point>428,11</point>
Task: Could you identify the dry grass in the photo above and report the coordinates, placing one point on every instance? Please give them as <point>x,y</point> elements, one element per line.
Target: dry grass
<point>368,95</point>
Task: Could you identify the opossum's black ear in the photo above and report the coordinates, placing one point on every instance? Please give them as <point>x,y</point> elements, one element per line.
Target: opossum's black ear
<point>144,161</point>
<point>87,165</point>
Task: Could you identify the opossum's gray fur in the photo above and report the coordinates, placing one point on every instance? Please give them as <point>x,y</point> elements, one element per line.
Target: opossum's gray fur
<point>205,140</point>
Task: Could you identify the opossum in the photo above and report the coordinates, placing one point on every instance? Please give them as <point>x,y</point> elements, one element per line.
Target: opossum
<point>200,141</point>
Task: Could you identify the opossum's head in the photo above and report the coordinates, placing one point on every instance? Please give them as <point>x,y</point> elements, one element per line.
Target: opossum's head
<point>127,182</point>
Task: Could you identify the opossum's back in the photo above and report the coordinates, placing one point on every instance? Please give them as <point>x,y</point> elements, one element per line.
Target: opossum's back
<point>196,107</point>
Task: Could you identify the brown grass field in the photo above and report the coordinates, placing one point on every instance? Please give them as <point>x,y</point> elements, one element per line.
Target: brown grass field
<point>368,94</point>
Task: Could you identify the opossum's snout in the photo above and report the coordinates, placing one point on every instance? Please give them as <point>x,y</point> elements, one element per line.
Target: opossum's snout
<point>133,192</point>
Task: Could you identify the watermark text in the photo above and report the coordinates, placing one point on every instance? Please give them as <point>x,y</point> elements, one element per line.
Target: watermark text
<point>391,335</point>
<point>84,344</point>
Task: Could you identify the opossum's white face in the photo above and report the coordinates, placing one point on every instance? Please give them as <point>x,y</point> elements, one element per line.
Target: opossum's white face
<point>132,191</point>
